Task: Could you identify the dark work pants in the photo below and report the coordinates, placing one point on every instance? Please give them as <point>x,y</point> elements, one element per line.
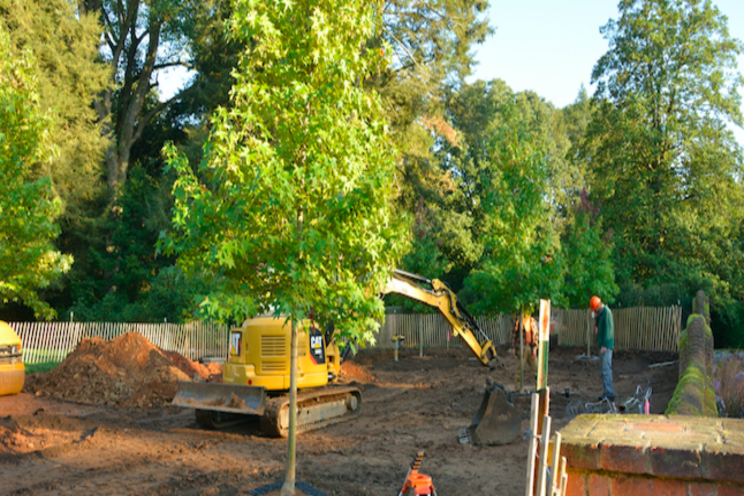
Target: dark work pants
<point>606,359</point>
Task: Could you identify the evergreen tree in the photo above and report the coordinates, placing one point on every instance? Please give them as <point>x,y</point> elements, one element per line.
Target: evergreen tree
<point>28,208</point>
<point>65,45</point>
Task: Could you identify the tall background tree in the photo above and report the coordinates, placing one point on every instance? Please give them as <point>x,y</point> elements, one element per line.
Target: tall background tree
<point>432,44</point>
<point>28,206</point>
<point>294,210</point>
<point>665,167</point>
<point>522,260</point>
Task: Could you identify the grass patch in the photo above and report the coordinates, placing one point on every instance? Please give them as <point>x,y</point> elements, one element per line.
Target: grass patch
<point>40,367</point>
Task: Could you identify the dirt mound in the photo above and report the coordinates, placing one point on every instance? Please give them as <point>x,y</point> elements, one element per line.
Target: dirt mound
<point>353,371</point>
<point>126,371</point>
<point>209,372</point>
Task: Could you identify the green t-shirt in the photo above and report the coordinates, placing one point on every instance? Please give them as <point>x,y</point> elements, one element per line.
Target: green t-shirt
<point>605,329</point>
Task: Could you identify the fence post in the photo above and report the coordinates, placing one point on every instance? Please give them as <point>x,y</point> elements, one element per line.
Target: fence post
<point>421,337</point>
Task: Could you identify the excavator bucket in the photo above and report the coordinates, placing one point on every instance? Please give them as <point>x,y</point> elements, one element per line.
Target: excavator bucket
<point>497,421</point>
<point>229,398</point>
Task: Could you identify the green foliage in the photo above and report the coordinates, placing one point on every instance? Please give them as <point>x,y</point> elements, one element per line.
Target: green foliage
<point>425,258</point>
<point>65,45</point>
<point>522,261</point>
<point>431,43</point>
<point>294,211</point>
<point>478,111</point>
<point>588,252</point>
<point>131,283</point>
<point>28,209</point>
<point>664,166</point>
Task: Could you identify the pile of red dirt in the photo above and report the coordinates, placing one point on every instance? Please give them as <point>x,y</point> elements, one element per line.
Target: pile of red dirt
<point>351,370</point>
<point>209,372</point>
<point>128,371</point>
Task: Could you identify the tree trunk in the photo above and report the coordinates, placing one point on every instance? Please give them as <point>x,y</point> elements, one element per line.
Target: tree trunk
<point>288,488</point>
<point>124,127</point>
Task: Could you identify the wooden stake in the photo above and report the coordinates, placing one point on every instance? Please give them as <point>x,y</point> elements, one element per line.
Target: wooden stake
<point>532,446</point>
<point>555,475</point>
<point>563,478</point>
<point>543,467</point>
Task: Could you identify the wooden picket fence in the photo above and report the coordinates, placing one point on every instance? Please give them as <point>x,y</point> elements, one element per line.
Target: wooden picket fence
<point>53,341</point>
<point>638,328</point>
<point>433,330</point>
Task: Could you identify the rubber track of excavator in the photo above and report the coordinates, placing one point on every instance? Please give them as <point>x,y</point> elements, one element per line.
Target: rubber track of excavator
<point>307,403</point>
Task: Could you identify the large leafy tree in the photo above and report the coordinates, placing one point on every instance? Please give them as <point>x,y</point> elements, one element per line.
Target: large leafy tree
<point>665,166</point>
<point>587,249</point>
<point>294,210</point>
<point>28,209</point>
<point>140,38</point>
<point>522,259</point>
<point>432,45</point>
<point>483,112</point>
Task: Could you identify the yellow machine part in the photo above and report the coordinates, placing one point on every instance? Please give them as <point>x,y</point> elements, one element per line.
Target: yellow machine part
<point>259,355</point>
<point>12,371</point>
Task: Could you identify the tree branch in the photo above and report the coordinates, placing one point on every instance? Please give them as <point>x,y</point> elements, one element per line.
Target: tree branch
<point>173,64</point>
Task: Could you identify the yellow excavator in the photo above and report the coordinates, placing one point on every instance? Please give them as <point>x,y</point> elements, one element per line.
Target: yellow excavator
<point>255,375</point>
<point>12,371</point>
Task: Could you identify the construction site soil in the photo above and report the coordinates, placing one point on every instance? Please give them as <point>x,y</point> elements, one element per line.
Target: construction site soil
<point>100,423</point>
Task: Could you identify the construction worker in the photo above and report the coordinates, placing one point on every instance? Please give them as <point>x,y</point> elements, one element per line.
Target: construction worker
<point>529,351</point>
<point>605,330</point>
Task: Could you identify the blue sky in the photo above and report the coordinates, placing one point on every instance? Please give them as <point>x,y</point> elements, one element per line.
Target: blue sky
<point>548,46</point>
<point>551,46</point>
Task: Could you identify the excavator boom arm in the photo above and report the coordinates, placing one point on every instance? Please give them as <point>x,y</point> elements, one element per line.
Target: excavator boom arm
<point>436,294</point>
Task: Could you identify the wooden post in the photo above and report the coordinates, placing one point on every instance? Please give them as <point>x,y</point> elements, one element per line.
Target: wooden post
<point>542,472</point>
<point>520,323</point>
<point>532,446</point>
<point>555,476</point>
<point>563,479</point>
<point>543,408</point>
<point>543,345</point>
<point>421,335</point>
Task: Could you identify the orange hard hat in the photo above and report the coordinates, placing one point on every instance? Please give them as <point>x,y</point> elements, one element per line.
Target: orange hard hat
<point>594,302</point>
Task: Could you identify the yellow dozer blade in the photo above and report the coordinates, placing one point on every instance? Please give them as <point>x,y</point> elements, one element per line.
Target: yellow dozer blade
<point>229,398</point>
<point>497,421</point>
<point>12,371</point>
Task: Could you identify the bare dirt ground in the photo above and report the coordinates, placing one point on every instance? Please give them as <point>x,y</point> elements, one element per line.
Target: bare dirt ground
<point>55,447</point>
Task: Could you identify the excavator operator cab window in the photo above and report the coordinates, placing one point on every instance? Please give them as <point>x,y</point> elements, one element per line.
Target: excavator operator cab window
<point>236,343</point>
